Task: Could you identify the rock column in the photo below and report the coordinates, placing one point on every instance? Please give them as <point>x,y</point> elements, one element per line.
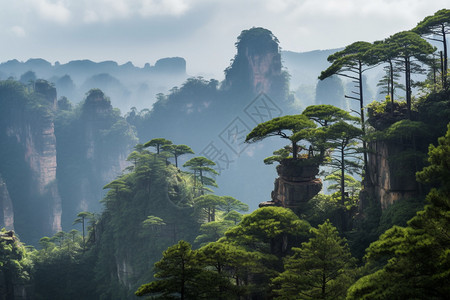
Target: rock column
<point>295,186</point>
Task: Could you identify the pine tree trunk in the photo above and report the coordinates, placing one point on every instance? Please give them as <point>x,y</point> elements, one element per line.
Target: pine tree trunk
<point>444,41</point>
<point>363,126</point>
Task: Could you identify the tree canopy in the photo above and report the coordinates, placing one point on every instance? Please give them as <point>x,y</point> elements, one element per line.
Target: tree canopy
<point>278,127</point>
<point>437,25</point>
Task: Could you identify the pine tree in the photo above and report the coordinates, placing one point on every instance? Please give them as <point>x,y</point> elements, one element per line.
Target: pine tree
<point>176,274</point>
<point>321,268</point>
<point>414,259</point>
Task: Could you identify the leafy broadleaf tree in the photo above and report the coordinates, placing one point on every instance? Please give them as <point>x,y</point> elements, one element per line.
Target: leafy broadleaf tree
<point>321,268</point>
<point>14,266</point>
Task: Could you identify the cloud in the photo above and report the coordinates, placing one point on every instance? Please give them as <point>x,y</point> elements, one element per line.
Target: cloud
<point>18,31</point>
<point>164,7</point>
<point>201,31</point>
<point>55,11</point>
<point>105,11</point>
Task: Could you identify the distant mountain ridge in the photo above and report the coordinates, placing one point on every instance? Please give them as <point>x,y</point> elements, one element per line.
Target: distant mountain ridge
<point>127,84</point>
<point>131,86</point>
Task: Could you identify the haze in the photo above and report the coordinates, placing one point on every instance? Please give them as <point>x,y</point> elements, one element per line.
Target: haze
<point>203,32</point>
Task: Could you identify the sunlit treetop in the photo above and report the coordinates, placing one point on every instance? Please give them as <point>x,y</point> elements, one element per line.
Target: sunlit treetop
<point>437,24</point>
<point>408,44</point>
<point>326,114</point>
<point>349,58</point>
<point>277,126</point>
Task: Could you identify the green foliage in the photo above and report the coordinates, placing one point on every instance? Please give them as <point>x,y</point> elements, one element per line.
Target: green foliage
<point>404,252</point>
<point>256,41</point>
<point>152,221</point>
<point>278,155</point>
<point>436,28</point>
<point>405,46</point>
<point>62,260</point>
<point>435,112</point>
<point>15,265</point>
<point>233,216</point>
<point>178,274</point>
<point>348,59</point>
<point>435,24</point>
<point>277,126</point>
<point>232,204</point>
<point>206,206</point>
<point>201,166</point>
<point>177,150</point>
<point>215,271</point>
<point>212,231</point>
<point>146,210</point>
<point>399,213</point>
<point>89,139</point>
<point>299,126</point>
<point>321,268</point>
<point>321,207</point>
<point>265,228</point>
<point>158,143</point>
<point>326,115</point>
<point>438,172</point>
<point>233,265</point>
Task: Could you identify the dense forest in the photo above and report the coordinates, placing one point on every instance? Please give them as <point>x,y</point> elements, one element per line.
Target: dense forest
<point>359,210</point>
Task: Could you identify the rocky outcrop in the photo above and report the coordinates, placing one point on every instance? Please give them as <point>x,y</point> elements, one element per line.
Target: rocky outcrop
<point>295,186</point>
<point>30,197</point>
<point>257,67</point>
<point>390,179</point>
<point>92,151</point>
<point>171,66</point>
<point>6,207</point>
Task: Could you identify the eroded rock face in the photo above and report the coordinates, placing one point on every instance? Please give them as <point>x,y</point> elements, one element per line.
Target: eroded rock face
<point>31,203</point>
<point>257,67</point>
<point>6,207</point>
<point>295,186</point>
<point>390,181</point>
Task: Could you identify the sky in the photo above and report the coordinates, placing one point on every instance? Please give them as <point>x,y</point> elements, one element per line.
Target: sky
<point>202,31</point>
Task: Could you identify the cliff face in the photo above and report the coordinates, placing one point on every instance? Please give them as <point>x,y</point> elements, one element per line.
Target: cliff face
<point>257,67</point>
<point>53,164</point>
<point>6,207</point>
<point>92,151</point>
<point>391,179</point>
<point>30,199</point>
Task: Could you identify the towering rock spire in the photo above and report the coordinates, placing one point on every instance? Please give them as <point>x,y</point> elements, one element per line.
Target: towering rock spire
<point>257,67</point>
